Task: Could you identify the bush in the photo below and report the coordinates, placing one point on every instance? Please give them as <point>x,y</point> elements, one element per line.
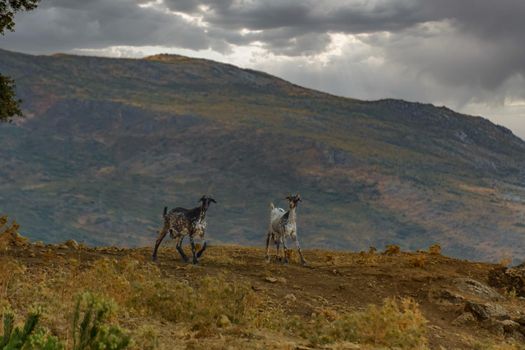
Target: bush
<point>93,333</point>
<point>90,332</point>
<point>418,260</point>
<point>392,249</point>
<point>434,249</point>
<point>26,338</point>
<point>395,324</point>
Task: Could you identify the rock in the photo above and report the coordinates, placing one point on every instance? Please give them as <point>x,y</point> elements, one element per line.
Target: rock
<point>449,297</point>
<point>473,287</point>
<point>494,326</point>
<point>224,322</point>
<point>487,311</point>
<point>512,279</point>
<point>72,244</point>
<point>270,279</point>
<point>521,320</point>
<point>465,318</point>
<point>63,246</point>
<point>510,326</point>
<point>505,327</point>
<point>290,297</point>
<point>39,244</point>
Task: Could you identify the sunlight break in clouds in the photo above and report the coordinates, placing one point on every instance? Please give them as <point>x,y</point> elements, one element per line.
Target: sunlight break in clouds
<point>466,54</point>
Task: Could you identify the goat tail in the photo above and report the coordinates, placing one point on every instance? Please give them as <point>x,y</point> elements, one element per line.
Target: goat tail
<point>272,207</point>
<point>165,211</point>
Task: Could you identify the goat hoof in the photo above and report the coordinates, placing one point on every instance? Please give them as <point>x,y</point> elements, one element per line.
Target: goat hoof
<point>195,261</point>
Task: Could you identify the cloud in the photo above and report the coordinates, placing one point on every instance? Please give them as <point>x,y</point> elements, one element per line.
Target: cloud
<point>460,53</point>
<point>64,25</point>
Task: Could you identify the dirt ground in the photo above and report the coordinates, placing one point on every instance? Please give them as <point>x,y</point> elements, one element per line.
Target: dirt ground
<point>341,280</point>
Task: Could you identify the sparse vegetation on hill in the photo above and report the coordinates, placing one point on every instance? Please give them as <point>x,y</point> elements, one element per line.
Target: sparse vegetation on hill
<point>107,143</point>
<point>235,299</point>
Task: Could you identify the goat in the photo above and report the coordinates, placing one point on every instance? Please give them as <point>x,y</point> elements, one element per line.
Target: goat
<point>283,225</point>
<point>180,222</point>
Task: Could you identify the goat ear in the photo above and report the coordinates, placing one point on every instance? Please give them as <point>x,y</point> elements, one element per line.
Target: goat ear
<point>203,198</point>
<point>213,200</point>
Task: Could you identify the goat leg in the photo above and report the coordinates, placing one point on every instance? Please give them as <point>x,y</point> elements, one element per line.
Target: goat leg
<point>199,253</point>
<point>303,262</point>
<point>285,251</point>
<point>162,234</point>
<point>277,247</point>
<point>180,250</point>
<point>268,247</point>
<point>192,242</point>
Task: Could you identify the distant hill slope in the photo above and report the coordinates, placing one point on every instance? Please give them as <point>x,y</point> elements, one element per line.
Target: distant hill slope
<point>107,143</point>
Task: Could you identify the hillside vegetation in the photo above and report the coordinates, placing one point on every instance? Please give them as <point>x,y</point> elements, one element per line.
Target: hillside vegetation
<point>107,143</point>
<point>235,300</point>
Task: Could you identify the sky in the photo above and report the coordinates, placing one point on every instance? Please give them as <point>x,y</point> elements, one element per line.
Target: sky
<point>466,54</point>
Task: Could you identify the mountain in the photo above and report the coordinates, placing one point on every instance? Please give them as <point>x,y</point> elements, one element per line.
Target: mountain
<point>107,143</point>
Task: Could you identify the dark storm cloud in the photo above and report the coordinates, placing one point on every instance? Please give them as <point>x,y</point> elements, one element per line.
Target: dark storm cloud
<point>317,16</point>
<point>291,27</point>
<point>491,31</point>
<point>63,25</point>
<point>286,27</point>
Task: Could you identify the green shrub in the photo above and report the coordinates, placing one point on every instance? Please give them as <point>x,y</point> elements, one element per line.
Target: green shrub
<point>92,333</point>
<point>26,338</point>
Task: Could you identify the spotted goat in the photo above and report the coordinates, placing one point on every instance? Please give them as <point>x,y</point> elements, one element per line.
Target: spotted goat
<point>182,222</point>
<point>283,225</point>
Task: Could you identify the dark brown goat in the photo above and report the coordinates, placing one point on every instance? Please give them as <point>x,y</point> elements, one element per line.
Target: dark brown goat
<point>180,222</point>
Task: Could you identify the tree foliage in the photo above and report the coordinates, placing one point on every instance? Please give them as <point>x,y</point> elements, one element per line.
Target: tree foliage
<point>8,9</point>
<point>9,105</point>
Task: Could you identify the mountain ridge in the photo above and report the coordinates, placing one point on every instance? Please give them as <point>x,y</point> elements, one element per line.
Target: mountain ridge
<point>114,140</point>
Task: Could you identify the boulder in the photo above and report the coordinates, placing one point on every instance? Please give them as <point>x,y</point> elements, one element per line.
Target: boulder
<point>478,289</point>
<point>511,279</point>
<point>39,244</point>
<point>448,297</point>
<point>487,311</point>
<point>71,244</point>
<point>521,320</point>
<point>290,297</point>
<point>510,326</point>
<point>465,318</point>
<point>503,328</point>
<point>270,279</point>
<point>493,326</point>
